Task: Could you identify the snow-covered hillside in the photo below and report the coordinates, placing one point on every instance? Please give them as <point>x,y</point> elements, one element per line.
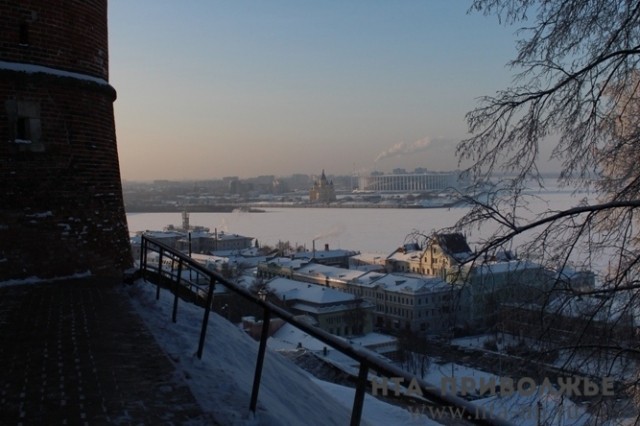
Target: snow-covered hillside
<point>221,381</point>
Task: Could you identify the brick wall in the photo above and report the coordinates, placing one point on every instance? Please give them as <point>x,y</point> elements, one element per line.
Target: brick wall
<point>65,34</point>
<point>61,207</point>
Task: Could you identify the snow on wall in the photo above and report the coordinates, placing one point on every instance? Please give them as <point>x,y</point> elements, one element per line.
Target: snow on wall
<point>35,69</point>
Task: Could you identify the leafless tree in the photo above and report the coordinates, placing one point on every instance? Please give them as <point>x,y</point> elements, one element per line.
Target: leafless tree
<point>575,94</point>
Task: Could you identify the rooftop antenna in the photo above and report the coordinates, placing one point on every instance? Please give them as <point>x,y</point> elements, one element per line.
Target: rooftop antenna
<point>353,175</point>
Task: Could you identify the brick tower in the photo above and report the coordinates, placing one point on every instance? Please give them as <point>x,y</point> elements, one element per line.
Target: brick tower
<point>61,205</point>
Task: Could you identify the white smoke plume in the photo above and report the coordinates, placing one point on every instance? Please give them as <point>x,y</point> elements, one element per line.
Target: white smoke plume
<point>224,226</point>
<point>403,148</point>
<point>335,231</point>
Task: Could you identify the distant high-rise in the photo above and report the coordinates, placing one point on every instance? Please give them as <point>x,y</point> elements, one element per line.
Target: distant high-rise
<point>61,207</point>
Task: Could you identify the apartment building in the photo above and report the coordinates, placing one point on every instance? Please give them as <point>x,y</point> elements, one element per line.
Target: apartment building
<point>417,303</point>
<point>334,311</point>
<point>420,304</point>
<point>485,287</point>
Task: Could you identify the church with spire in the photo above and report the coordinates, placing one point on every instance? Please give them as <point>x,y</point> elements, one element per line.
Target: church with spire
<point>322,190</point>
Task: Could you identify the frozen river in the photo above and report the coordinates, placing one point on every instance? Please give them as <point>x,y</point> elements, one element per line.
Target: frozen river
<point>375,230</point>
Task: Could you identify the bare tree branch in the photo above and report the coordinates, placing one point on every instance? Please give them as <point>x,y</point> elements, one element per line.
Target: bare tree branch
<point>576,88</point>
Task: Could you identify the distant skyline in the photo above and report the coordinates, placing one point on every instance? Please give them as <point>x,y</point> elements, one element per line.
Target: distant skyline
<point>208,89</point>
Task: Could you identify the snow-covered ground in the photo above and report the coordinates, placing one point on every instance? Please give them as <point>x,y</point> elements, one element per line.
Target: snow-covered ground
<point>536,409</point>
<point>221,381</point>
<point>585,362</point>
<point>375,411</point>
<point>38,280</point>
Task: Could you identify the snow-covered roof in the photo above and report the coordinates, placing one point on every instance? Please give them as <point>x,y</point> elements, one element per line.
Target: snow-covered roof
<point>287,337</point>
<point>246,261</point>
<point>402,283</point>
<point>230,237</point>
<point>159,235</point>
<point>373,339</point>
<point>571,273</point>
<point>287,262</point>
<point>373,258</point>
<point>501,267</point>
<point>406,284</point>
<point>595,307</point>
<point>325,254</point>
<point>317,294</point>
<point>204,258</point>
<point>331,272</point>
<point>455,245</point>
<point>327,309</point>
<point>405,256</point>
<point>368,268</point>
<point>369,279</point>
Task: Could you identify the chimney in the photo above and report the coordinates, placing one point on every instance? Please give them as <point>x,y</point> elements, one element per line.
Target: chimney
<point>326,247</point>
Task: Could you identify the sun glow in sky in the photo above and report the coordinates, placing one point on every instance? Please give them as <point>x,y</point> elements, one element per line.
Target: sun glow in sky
<point>208,89</point>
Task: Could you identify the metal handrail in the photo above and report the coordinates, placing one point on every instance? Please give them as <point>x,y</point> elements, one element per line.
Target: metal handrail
<point>474,413</point>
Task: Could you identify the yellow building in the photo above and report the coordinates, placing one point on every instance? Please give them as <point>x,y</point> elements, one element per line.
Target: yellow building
<point>442,255</point>
<point>322,191</point>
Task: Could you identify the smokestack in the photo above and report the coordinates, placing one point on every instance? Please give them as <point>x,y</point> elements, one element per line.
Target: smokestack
<point>313,242</point>
<point>326,247</point>
<point>185,221</point>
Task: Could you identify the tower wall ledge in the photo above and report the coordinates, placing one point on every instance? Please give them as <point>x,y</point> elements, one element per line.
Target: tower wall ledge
<point>42,71</point>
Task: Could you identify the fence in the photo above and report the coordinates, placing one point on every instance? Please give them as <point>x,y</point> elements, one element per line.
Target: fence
<point>189,279</point>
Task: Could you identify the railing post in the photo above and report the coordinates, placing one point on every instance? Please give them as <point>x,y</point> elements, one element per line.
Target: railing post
<point>143,257</point>
<point>261,349</point>
<point>176,289</point>
<point>160,253</point>
<point>358,401</point>
<point>205,320</point>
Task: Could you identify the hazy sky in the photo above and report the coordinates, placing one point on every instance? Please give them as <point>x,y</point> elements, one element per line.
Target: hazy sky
<point>213,88</point>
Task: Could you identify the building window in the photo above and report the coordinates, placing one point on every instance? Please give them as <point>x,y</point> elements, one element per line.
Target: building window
<point>24,125</point>
<point>23,129</point>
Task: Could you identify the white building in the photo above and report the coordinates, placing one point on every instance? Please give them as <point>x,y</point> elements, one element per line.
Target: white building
<point>417,303</point>
<point>485,287</point>
<point>334,311</point>
<point>422,181</point>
